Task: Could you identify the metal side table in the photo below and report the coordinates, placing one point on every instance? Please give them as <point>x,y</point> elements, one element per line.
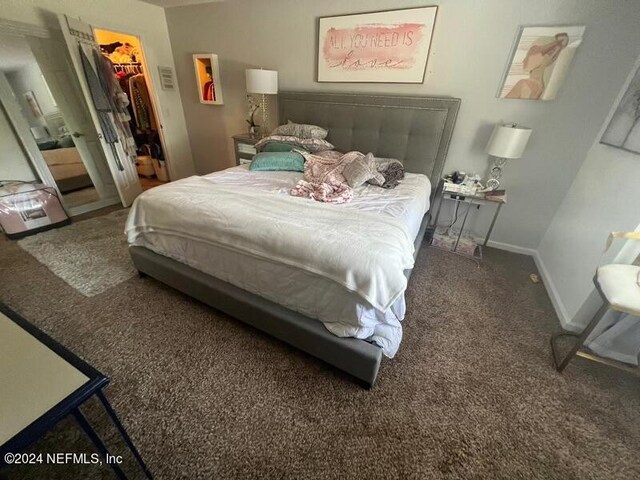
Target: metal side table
<point>41,383</point>
<point>477,199</point>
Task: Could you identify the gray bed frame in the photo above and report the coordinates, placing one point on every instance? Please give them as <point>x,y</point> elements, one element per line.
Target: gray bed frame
<point>416,130</point>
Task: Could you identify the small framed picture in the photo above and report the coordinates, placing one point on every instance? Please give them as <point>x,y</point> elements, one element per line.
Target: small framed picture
<point>34,108</point>
<point>208,80</point>
<point>623,130</point>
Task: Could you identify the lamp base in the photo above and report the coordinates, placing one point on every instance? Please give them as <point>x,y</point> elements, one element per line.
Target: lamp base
<point>495,173</point>
<point>492,184</point>
<point>264,130</point>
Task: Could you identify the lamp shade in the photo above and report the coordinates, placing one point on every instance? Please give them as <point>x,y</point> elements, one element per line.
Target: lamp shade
<point>508,141</point>
<point>262,81</point>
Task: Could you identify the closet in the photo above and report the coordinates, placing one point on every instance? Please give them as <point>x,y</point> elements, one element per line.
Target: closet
<point>126,57</point>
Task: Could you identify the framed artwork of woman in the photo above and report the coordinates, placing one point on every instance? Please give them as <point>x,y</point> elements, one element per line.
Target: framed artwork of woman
<point>539,62</point>
<point>623,130</point>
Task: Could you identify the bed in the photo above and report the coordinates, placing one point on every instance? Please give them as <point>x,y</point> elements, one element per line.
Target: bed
<point>231,256</point>
<point>67,168</point>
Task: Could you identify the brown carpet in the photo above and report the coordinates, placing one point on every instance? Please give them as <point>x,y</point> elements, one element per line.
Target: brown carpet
<point>81,197</point>
<point>471,394</point>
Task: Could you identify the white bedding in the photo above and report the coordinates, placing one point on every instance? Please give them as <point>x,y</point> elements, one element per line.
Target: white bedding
<point>298,253</point>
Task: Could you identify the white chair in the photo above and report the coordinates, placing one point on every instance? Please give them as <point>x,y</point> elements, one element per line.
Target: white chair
<point>619,287</point>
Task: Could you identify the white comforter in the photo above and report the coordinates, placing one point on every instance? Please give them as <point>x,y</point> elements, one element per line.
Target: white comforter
<point>362,250</point>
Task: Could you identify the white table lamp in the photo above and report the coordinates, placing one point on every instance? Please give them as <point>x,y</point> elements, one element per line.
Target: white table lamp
<point>507,141</point>
<point>262,82</point>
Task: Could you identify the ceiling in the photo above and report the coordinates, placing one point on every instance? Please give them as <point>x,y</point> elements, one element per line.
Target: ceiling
<point>15,53</point>
<point>178,3</point>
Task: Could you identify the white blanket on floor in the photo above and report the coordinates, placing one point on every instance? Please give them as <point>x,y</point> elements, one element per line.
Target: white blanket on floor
<point>365,253</point>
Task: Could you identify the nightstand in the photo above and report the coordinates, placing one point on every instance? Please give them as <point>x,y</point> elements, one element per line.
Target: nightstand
<point>456,243</point>
<point>244,147</point>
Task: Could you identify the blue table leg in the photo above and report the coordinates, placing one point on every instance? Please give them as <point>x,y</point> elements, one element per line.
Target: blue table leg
<point>97,442</point>
<point>123,433</point>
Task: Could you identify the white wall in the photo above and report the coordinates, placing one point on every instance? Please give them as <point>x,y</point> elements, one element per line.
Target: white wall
<point>29,78</point>
<point>134,17</point>
<point>14,164</point>
<point>604,197</point>
<point>470,49</point>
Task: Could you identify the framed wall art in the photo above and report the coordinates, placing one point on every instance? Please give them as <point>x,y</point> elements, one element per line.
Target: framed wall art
<point>539,62</point>
<point>34,107</point>
<point>623,130</point>
<point>208,80</point>
<point>383,47</point>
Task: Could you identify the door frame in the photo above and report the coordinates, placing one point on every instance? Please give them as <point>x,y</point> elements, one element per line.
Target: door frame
<point>21,127</point>
<point>148,77</point>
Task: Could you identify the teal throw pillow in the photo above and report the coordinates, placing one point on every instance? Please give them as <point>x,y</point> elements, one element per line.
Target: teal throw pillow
<point>277,147</point>
<point>278,161</point>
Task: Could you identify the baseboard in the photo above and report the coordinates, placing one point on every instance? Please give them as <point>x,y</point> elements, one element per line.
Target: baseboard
<point>552,291</point>
<point>509,247</point>
<point>554,295</point>
<point>90,207</point>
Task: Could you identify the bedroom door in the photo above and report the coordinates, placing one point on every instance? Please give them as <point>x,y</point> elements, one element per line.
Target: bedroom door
<point>79,35</point>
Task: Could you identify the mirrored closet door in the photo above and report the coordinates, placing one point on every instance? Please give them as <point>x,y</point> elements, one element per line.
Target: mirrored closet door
<point>49,119</point>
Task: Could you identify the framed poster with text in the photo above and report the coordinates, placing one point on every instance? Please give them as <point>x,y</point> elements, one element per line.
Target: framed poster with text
<point>382,47</point>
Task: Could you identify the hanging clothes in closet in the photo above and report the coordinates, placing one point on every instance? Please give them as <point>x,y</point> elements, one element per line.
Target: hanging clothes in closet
<point>136,108</point>
<point>142,109</point>
<point>122,74</point>
<point>145,121</point>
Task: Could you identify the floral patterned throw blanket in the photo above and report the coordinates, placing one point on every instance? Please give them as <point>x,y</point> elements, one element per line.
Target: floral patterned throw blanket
<point>323,177</point>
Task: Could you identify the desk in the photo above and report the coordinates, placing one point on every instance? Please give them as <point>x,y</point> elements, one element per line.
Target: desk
<point>43,382</point>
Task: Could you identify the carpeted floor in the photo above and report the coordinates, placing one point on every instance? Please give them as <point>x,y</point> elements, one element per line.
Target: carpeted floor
<point>472,393</point>
<point>89,255</point>
<point>81,197</point>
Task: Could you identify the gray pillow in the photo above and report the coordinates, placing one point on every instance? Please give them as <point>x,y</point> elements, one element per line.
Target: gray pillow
<point>362,170</point>
<point>391,169</point>
<point>301,130</point>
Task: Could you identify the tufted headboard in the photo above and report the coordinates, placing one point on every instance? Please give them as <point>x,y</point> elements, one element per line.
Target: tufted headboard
<point>415,130</point>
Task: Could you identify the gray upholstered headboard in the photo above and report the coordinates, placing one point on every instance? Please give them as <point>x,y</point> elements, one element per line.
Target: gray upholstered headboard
<point>415,130</point>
